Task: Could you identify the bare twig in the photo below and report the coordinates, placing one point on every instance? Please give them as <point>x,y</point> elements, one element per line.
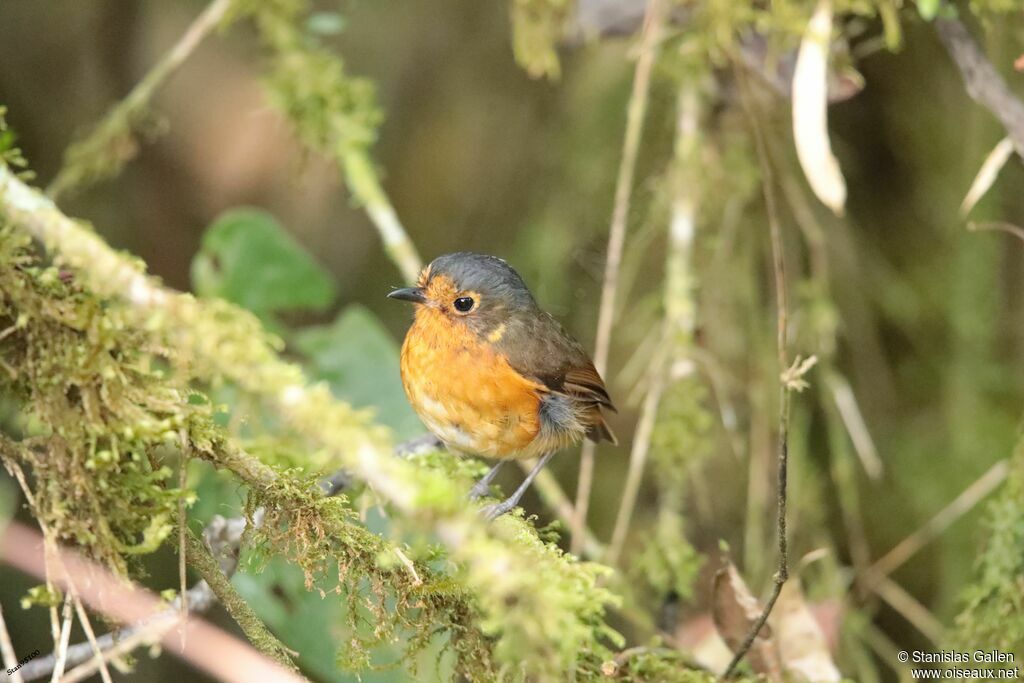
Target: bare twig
<point>90,636</point>
<point>637,108</point>
<point>997,226</point>
<point>223,537</point>
<point>153,631</point>
<point>118,123</point>
<point>221,655</point>
<point>779,269</point>
<point>65,636</point>
<point>984,84</point>
<point>679,305</point>
<point>7,650</point>
<point>637,460</point>
<point>911,610</point>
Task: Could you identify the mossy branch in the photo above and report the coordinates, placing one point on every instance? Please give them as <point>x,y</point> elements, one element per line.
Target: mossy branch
<point>535,608</point>
<point>334,114</point>
<point>255,630</point>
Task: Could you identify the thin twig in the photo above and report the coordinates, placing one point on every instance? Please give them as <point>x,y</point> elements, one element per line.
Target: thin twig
<point>65,637</point>
<point>7,650</point>
<point>635,113</point>
<point>984,84</point>
<point>779,270</point>
<point>90,636</point>
<point>153,630</point>
<point>223,537</point>
<point>679,307</point>
<point>19,475</point>
<point>637,460</point>
<point>911,610</point>
<point>997,226</point>
<point>119,121</point>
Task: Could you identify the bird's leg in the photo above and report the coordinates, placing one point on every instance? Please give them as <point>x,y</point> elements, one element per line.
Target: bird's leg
<point>498,509</point>
<point>482,487</point>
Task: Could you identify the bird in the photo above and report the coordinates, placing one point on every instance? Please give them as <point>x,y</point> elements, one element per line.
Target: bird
<point>491,374</point>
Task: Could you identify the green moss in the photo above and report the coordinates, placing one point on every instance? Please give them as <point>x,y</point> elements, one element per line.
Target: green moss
<point>993,614</point>
<point>93,407</point>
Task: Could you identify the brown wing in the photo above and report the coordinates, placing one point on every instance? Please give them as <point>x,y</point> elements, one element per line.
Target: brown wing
<point>539,347</point>
<point>586,384</point>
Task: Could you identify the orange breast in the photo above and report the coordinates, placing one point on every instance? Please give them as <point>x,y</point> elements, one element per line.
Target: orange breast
<point>467,394</point>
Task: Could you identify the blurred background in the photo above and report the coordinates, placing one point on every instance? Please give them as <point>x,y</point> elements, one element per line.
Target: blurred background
<point>916,321</point>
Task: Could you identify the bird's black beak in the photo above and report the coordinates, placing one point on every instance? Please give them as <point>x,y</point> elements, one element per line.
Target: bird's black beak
<point>413,294</point>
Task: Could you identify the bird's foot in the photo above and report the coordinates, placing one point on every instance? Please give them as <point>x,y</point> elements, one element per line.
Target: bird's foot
<point>480,489</point>
<point>495,510</point>
<point>483,487</point>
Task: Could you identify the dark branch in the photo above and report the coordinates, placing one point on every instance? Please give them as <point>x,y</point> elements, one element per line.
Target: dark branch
<point>984,84</point>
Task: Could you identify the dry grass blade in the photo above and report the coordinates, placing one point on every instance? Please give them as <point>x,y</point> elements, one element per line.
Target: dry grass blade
<point>934,527</point>
<point>856,427</point>
<point>911,610</point>
<point>810,112</point>
<point>637,109</point>
<point>987,174</point>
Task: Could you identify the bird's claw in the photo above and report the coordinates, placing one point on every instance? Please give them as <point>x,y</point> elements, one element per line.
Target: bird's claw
<point>479,490</point>
<point>495,510</point>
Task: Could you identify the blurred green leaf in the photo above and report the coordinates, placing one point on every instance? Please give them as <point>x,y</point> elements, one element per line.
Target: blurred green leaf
<point>302,619</point>
<point>928,9</point>
<point>316,625</point>
<point>248,258</point>
<point>359,359</point>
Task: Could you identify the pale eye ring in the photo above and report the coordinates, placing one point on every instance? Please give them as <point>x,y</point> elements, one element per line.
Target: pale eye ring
<point>464,304</point>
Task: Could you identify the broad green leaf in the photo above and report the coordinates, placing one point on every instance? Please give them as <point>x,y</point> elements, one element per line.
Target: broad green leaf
<point>359,359</point>
<point>248,258</point>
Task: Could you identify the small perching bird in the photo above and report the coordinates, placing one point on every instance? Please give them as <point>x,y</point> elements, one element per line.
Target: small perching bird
<point>491,374</point>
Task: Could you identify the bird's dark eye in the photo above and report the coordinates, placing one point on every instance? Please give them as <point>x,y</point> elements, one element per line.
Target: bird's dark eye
<point>464,304</point>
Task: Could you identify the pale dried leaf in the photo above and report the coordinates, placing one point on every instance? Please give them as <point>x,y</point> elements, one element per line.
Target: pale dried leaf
<point>802,647</point>
<point>987,174</point>
<point>734,610</point>
<point>810,111</point>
